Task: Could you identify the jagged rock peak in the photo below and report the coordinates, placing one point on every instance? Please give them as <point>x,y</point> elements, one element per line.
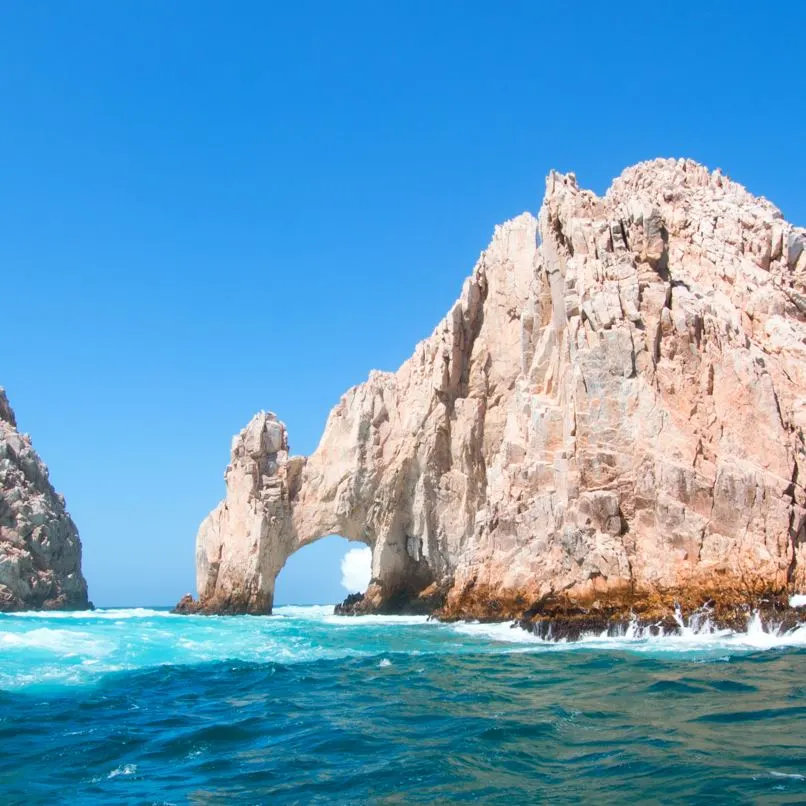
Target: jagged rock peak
<point>6,412</point>
<point>612,412</point>
<point>40,551</point>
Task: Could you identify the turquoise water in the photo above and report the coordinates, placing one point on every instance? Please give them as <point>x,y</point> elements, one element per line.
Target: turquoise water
<point>139,706</point>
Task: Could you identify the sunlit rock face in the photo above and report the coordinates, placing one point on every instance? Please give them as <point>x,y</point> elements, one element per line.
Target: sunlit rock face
<point>40,551</point>
<point>612,410</point>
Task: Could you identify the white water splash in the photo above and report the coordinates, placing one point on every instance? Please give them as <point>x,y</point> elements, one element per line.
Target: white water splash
<point>697,635</point>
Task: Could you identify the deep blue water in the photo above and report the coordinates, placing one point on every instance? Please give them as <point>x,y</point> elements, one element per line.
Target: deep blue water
<point>302,707</point>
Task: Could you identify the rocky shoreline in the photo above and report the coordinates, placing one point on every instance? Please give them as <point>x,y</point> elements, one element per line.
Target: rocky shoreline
<point>557,620</point>
<point>560,618</point>
<point>668,613</point>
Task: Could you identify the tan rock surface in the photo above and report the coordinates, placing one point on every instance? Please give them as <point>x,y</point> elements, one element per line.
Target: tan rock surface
<point>40,551</point>
<point>613,407</point>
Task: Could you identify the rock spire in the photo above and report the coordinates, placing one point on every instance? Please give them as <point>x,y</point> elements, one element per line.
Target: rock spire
<point>40,551</point>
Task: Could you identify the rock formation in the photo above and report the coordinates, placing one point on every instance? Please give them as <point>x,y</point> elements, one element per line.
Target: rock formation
<point>610,416</point>
<point>40,551</point>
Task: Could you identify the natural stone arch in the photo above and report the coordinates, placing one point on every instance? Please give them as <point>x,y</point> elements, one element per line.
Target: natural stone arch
<point>277,504</point>
<point>402,465</point>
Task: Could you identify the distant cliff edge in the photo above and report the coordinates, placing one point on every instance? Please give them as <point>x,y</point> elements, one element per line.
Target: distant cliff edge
<point>608,424</point>
<point>40,551</point>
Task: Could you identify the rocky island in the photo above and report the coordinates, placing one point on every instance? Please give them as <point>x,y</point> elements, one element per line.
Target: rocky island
<point>607,425</point>
<point>40,550</point>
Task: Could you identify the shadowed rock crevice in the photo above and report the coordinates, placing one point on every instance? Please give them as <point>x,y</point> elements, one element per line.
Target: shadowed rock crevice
<point>580,423</point>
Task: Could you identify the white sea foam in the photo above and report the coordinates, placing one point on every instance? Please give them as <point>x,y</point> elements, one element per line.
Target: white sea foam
<point>698,635</point>
<point>304,611</point>
<point>61,642</point>
<point>324,613</point>
<point>793,775</point>
<point>112,613</point>
<point>377,621</point>
<point>63,649</point>
<point>124,769</point>
<point>503,631</point>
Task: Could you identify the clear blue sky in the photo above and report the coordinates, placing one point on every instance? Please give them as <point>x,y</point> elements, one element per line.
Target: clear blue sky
<point>208,208</point>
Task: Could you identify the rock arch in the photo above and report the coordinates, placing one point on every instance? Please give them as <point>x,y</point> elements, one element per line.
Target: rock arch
<point>611,411</point>
<point>395,450</point>
<point>277,504</point>
<point>401,465</point>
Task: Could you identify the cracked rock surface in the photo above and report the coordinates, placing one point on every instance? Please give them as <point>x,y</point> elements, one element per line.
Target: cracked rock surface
<point>40,551</point>
<point>611,412</point>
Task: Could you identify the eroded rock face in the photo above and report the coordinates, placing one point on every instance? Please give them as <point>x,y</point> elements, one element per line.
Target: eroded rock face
<point>40,551</point>
<point>613,408</point>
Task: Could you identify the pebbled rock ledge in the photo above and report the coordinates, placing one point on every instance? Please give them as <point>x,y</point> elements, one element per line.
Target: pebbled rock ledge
<point>610,417</point>
<point>40,551</point>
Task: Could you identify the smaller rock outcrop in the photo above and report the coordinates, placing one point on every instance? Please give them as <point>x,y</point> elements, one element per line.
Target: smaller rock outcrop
<point>40,550</point>
<point>187,605</point>
<point>351,606</point>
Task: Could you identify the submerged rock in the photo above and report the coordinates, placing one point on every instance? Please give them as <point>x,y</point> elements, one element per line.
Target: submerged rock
<point>40,550</point>
<point>615,402</point>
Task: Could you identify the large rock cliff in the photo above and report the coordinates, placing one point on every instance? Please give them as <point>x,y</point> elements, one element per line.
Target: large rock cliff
<point>40,551</point>
<point>610,415</point>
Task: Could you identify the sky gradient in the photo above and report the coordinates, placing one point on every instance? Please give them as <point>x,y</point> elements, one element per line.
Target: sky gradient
<point>209,208</point>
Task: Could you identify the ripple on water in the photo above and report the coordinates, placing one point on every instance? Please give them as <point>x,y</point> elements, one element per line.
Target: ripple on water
<point>298,709</point>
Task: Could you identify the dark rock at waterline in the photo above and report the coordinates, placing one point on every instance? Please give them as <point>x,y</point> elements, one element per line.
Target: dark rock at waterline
<point>417,599</point>
<point>572,624</point>
<point>576,628</point>
<point>349,606</point>
<point>187,606</point>
<point>238,603</point>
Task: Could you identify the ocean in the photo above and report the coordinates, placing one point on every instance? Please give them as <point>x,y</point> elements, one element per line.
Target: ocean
<point>140,706</point>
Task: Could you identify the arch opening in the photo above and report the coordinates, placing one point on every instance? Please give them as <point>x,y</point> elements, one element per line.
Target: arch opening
<point>324,572</point>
